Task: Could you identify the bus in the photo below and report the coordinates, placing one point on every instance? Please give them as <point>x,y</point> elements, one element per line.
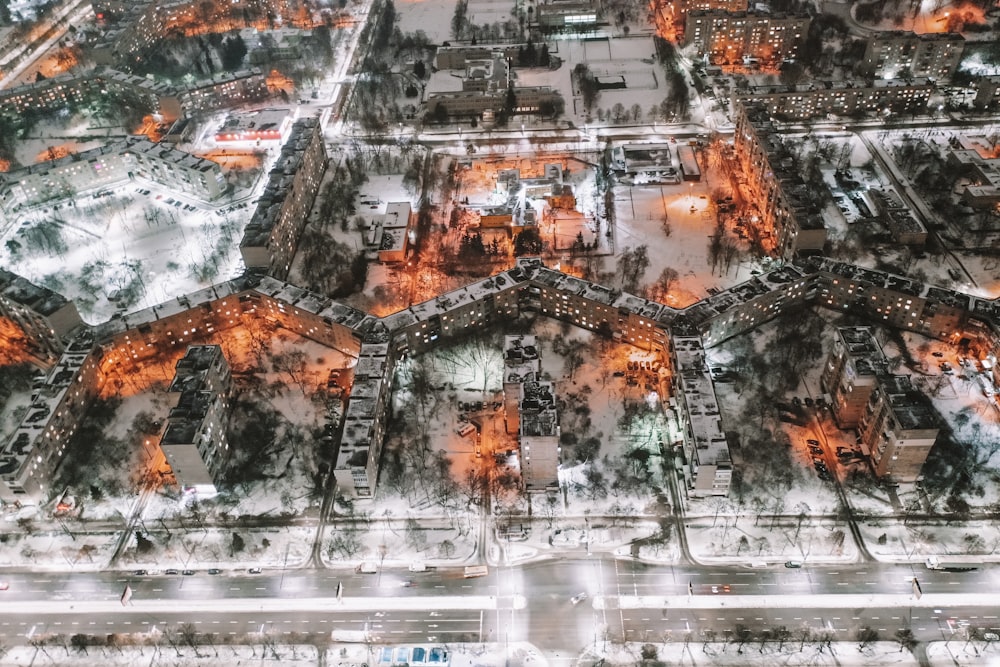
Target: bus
<point>476,571</point>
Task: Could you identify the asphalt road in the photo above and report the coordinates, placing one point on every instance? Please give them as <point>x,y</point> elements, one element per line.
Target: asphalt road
<point>562,578</point>
<point>626,599</point>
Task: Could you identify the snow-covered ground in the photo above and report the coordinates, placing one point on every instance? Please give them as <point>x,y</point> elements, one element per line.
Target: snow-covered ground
<point>694,650</point>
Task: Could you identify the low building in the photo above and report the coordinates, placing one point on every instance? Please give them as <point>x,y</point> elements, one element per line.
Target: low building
<point>984,172</point>
<point>566,15</point>
<point>256,127</point>
<point>487,86</point>
<point>194,437</point>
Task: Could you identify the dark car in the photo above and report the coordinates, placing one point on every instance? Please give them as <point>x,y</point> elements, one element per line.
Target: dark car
<point>793,564</point>
<point>215,570</point>
<point>171,571</point>
<point>254,570</point>
<point>140,573</point>
<point>816,450</point>
<point>187,573</point>
<point>814,443</point>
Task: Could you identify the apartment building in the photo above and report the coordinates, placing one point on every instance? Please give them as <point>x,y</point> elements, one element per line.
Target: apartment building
<point>902,54</point>
<point>840,98</point>
<point>142,26</point>
<point>193,440</point>
<point>708,466</point>
<point>987,92</point>
<point>360,451</point>
<point>566,15</point>
<point>272,235</point>
<point>115,163</point>
<point>892,300</point>
<point>851,373</point>
<point>44,317</point>
<point>984,172</point>
<point>791,216</point>
<point>484,87</point>
<point>530,412</point>
<point>539,435</point>
<point>29,459</point>
<point>169,101</point>
<point>898,429</point>
<point>222,90</point>
<point>728,38</point>
<point>674,12</point>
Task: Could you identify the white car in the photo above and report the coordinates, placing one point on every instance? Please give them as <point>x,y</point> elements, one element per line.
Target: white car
<point>4,585</point>
<point>578,598</point>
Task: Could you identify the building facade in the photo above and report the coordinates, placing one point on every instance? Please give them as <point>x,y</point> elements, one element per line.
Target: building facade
<point>851,373</point>
<point>30,458</point>
<point>898,429</point>
<point>272,235</point>
<point>791,218</point>
<point>110,165</point>
<point>708,466</point>
<point>729,38</point>
<point>194,436</point>
<point>900,54</point>
<point>841,98</point>
<point>45,317</point>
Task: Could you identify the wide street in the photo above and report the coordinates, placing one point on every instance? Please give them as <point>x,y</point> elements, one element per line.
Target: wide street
<point>625,599</point>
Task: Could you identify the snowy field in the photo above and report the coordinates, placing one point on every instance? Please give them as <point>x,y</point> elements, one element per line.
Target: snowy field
<point>126,250</point>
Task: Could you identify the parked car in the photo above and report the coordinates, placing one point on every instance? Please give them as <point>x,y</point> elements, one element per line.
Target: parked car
<point>187,573</point>
<point>171,571</point>
<point>254,570</point>
<point>578,598</point>
<point>215,570</point>
<point>793,564</point>
<point>139,573</point>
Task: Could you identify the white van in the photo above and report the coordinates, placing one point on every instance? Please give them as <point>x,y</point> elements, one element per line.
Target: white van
<point>466,429</point>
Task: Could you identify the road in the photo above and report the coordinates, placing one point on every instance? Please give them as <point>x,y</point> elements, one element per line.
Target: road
<point>626,599</point>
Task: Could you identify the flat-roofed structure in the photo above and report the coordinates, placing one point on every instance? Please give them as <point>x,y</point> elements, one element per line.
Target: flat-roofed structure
<point>851,373</point>
<point>708,466</point>
<point>194,439</point>
<point>898,429</point>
